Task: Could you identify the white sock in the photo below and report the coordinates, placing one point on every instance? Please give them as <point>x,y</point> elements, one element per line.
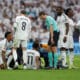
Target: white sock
<point>14,55</point>
<point>24,56</point>
<point>71,58</point>
<point>63,56</point>
<point>9,60</point>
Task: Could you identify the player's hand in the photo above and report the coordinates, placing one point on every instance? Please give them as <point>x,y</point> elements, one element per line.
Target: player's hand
<point>52,41</point>
<point>5,65</point>
<point>64,39</point>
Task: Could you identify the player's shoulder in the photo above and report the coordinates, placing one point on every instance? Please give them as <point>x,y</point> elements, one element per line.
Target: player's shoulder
<point>28,19</point>
<point>33,51</point>
<point>30,50</point>
<point>49,18</point>
<point>64,16</point>
<point>18,17</point>
<point>3,41</point>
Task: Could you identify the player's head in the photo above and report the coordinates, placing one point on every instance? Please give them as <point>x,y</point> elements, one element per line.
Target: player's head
<point>35,45</point>
<point>42,15</point>
<point>69,12</point>
<point>23,12</point>
<point>8,36</point>
<point>59,10</point>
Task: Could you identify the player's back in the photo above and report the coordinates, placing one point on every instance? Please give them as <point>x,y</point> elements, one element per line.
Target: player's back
<point>31,58</point>
<point>23,27</point>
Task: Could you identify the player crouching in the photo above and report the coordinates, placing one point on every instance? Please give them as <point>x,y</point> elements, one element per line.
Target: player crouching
<point>6,51</point>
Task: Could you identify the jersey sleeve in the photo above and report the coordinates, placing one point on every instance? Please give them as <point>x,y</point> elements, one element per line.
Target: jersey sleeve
<point>65,19</point>
<point>50,21</point>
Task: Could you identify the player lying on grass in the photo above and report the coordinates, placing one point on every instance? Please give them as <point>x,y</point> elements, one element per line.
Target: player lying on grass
<point>33,57</point>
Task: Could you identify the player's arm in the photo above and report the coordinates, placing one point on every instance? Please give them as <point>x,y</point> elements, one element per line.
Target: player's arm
<point>51,33</point>
<point>50,22</point>
<point>67,28</point>
<point>15,26</point>
<point>3,52</point>
<point>77,25</point>
<point>66,33</point>
<point>3,56</point>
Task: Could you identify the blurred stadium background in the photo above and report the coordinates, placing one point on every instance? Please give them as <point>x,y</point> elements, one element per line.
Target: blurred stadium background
<point>9,9</point>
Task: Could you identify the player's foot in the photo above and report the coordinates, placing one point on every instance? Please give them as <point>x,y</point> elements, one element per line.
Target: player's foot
<point>70,67</point>
<point>16,65</point>
<point>24,67</point>
<point>35,68</point>
<point>9,68</point>
<point>49,68</point>
<point>65,66</point>
<point>74,67</point>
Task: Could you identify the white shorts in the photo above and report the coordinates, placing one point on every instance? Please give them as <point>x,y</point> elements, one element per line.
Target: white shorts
<point>68,44</point>
<point>17,43</point>
<point>61,43</point>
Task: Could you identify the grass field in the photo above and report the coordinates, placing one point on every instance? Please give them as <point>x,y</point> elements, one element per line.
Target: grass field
<point>73,74</point>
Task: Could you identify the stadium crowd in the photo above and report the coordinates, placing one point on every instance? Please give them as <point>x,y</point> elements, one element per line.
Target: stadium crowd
<point>9,9</point>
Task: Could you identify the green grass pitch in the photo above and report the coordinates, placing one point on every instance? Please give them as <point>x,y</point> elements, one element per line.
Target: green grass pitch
<point>73,74</point>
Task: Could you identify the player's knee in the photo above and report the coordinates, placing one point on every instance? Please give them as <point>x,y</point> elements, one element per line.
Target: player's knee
<point>71,49</point>
<point>23,48</point>
<point>54,49</point>
<point>62,49</point>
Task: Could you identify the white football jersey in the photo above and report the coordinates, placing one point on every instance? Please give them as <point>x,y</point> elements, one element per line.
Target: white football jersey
<point>71,27</point>
<point>61,21</point>
<point>5,45</point>
<point>23,27</point>
<point>31,58</point>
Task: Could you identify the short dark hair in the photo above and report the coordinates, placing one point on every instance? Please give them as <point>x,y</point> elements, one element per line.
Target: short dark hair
<point>60,7</point>
<point>6,34</point>
<point>42,13</point>
<point>36,45</point>
<point>67,10</point>
<point>23,12</point>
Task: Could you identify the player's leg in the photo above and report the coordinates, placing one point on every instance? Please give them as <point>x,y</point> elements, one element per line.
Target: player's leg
<point>50,55</point>
<point>55,56</point>
<point>63,51</point>
<point>24,45</point>
<point>54,49</point>
<point>63,56</point>
<point>9,58</point>
<point>37,57</point>
<point>71,52</point>
<point>1,62</point>
<point>16,44</point>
